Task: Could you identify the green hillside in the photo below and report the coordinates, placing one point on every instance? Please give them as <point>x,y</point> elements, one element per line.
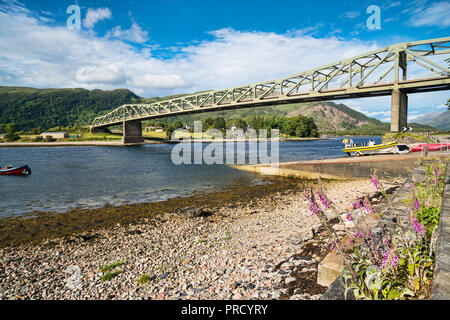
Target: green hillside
<point>47,108</point>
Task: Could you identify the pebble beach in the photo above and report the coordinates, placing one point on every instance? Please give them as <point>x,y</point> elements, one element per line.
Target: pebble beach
<point>266,248</point>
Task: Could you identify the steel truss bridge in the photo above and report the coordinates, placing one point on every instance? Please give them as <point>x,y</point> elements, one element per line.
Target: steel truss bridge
<point>394,70</point>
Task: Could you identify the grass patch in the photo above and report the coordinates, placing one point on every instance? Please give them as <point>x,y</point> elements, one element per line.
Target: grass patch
<point>113,265</point>
<point>109,275</point>
<point>145,278</point>
<point>227,236</point>
<point>154,135</point>
<point>406,137</point>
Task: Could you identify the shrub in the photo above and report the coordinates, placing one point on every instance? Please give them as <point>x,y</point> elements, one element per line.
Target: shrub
<point>11,136</point>
<point>49,139</point>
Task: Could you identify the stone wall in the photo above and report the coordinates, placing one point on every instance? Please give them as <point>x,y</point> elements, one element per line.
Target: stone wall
<point>440,289</point>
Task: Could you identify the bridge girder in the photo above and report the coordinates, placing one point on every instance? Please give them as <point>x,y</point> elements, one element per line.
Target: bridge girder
<point>361,76</point>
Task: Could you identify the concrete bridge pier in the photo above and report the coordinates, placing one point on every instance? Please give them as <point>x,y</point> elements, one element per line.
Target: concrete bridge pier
<point>399,110</point>
<point>132,132</point>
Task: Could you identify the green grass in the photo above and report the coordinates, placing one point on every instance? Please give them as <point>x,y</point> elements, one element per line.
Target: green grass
<point>110,275</point>
<point>145,278</point>
<point>227,236</point>
<point>113,265</point>
<point>154,135</point>
<point>406,137</point>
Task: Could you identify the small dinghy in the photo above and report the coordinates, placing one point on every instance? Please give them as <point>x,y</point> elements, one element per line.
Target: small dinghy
<point>22,170</point>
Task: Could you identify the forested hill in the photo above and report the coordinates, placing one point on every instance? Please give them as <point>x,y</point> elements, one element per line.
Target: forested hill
<point>47,108</point>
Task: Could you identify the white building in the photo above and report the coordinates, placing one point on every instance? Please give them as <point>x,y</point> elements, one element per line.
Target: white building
<point>55,135</point>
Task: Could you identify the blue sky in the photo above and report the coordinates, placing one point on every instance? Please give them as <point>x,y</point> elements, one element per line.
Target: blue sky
<point>162,47</point>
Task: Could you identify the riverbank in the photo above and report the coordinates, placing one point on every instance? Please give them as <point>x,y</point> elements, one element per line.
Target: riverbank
<point>246,243</point>
<point>386,165</point>
<point>67,144</point>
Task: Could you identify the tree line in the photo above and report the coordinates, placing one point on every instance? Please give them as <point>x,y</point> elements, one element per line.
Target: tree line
<point>298,126</point>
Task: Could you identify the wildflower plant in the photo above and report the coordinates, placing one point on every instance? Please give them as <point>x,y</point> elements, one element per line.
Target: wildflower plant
<point>384,263</point>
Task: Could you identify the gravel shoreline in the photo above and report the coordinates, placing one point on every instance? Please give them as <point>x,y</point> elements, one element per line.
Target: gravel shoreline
<point>267,248</point>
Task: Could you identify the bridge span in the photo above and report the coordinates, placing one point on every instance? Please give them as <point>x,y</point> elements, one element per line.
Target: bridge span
<point>396,70</point>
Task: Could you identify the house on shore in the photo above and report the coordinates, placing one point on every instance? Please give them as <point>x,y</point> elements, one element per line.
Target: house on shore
<point>55,135</point>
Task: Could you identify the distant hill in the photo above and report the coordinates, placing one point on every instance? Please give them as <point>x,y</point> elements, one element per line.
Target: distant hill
<point>328,116</point>
<point>47,108</point>
<point>437,120</point>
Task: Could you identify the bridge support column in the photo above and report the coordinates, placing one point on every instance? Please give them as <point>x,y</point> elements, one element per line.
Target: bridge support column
<point>399,110</point>
<point>132,132</point>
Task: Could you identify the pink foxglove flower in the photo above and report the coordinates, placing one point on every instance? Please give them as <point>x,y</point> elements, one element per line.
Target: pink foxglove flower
<point>314,207</point>
<point>324,199</point>
<point>375,181</point>
<point>418,227</point>
<point>390,257</point>
<point>368,207</point>
<point>436,171</point>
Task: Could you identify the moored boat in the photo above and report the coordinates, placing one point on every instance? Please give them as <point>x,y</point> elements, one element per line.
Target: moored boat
<point>22,170</point>
<point>352,149</point>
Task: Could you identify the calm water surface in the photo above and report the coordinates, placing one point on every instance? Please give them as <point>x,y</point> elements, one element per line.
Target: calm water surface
<point>90,177</point>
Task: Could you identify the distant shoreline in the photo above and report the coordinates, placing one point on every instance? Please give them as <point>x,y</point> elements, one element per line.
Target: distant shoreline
<point>65,144</point>
<point>120,144</point>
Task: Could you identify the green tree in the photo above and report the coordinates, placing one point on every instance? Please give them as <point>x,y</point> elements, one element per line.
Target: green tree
<point>256,122</point>
<point>207,123</point>
<point>2,128</point>
<point>240,124</point>
<point>12,128</point>
<point>36,131</point>
<point>173,126</point>
<point>219,123</point>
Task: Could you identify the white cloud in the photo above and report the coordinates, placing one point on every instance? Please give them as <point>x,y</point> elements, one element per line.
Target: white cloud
<point>352,14</point>
<point>111,74</point>
<point>159,81</point>
<point>95,15</point>
<point>438,14</point>
<point>13,6</point>
<point>134,34</point>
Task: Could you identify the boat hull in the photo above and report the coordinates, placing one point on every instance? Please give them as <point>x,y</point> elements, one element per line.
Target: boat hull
<point>366,149</point>
<point>23,170</point>
<point>431,147</point>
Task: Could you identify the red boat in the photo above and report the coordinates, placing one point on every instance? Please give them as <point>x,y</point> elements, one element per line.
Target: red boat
<point>431,147</point>
<point>22,170</point>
